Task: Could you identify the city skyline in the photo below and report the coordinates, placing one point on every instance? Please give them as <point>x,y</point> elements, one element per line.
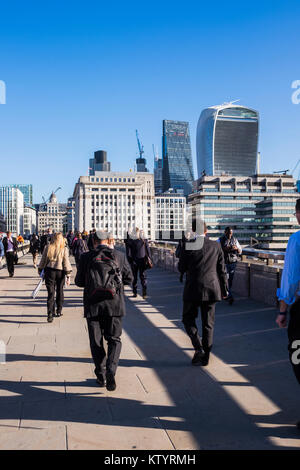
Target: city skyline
<point>73,87</point>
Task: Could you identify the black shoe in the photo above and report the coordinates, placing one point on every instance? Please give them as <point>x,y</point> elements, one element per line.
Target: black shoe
<point>197,359</point>
<point>134,294</point>
<point>50,319</point>
<point>101,381</point>
<point>110,382</point>
<point>205,360</point>
<point>58,314</point>
<point>230,300</point>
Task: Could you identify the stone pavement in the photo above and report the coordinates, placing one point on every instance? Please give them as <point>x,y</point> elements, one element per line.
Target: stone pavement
<point>247,398</point>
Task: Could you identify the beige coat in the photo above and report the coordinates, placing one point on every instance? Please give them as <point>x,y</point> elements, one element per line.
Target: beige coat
<point>62,262</point>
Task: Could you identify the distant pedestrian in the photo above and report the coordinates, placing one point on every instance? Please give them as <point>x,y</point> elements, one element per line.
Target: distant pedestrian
<point>56,264</point>
<point>231,249</point>
<point>103,272</point>
<point>79,247</point>
<point>10,249</point>
<point>90,242</point>
<point>1,251</point>
<point>70,238</point>
<point>137,251</point>
<point>206,284</point>
<point>289,297</point>
<point>34,248</point>
<point>45,239</point>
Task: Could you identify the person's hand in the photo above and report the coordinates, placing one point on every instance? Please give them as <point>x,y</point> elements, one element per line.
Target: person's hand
<point>68,281</point>
<point>281,320</point>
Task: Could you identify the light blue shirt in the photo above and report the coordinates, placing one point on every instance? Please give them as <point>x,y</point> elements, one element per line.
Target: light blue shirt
<point>290,279</point>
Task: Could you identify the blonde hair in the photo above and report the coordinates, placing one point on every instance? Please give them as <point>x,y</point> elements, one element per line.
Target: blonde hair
<point>56,247</point>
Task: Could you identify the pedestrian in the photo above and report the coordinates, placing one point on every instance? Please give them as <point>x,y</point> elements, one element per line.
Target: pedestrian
<point>70,237</point>
<point>34,248</point>
<point>90,242</point>
<point>20,240</point>
<point>231,249</point>
<point>45,239</point>
<point>137,251</point>
<point>79,247</point>
<point>1,251</point>
<point>10,249</point>
<point>289,297</point>
<point>103,272</point>
<point>57,270</point>
<point>206,283</point>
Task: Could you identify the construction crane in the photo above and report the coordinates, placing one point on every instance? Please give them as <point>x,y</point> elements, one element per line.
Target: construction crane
<point>284,172</point>
<point>295,167</point>
<point>141,161</point>
<point>141,147</point>
<point>53,192</point>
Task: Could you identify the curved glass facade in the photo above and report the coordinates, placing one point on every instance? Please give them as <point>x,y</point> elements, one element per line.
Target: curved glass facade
<point>227,140</point>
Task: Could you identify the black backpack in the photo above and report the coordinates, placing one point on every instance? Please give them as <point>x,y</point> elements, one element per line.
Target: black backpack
<point>104,280</point>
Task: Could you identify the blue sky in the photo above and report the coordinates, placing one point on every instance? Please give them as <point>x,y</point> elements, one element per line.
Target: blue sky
<point>82,76</point>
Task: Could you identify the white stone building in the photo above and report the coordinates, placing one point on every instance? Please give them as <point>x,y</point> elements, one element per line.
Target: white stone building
<point>115,201</point>
<point>52,215</point>
<point>30,219</point>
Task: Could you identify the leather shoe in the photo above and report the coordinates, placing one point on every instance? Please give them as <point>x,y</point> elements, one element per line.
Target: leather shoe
<point>100,381</point>
<point>205,360</point>
<point>197,359</point>
<point>110,382</point>
<point>50,319</point>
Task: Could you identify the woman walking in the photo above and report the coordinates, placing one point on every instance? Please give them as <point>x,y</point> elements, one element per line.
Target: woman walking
<point>79,247</point>
<point>34,248</point>
<point>55,261</point>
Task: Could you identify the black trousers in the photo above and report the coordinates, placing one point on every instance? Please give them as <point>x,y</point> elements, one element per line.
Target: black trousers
<point>109,328</point>
<point>10,256</point>
<point>294,338</point>
<point>190,313</point>
<point>138,267</point>
<point>54,280</point>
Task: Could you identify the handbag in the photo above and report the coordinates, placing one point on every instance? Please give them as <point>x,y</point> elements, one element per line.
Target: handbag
<point>148,263</point>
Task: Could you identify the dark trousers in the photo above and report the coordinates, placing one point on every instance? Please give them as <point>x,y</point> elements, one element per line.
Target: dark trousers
<point>54,280</point>
<point>190,313</point>
<point>138,268</point>
<point>109,328</point>
<point>294,338</point>
<point>10,256</point>
<point>230,267</point>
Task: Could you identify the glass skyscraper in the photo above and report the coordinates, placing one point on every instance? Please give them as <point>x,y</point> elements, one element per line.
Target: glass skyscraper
<point>26,189</point>
<point>227,140</point>
<point>177,157</point>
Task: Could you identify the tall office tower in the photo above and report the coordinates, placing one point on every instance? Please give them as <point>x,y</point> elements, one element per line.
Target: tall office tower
<point>177,157</point>
<point>26,189</point>
<point>158,173</point>
<point>12,208</point>
<point>99,162</point>
<point>227,138</point>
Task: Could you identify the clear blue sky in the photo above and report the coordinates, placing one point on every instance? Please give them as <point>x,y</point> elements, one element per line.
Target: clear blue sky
<point>83,76</point>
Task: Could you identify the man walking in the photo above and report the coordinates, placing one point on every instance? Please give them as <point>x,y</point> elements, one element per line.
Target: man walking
<point>289,297</point>
<point>103,272</point>
<point>231,249</point>
<point>10,250</point>
<point>206,283</point>
<point>137,249</point>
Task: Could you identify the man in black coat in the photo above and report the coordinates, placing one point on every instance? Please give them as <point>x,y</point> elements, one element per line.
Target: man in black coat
<point>137,248</point>
<point>10,250</point>
<point>104,318</point>
<point>206,283</point>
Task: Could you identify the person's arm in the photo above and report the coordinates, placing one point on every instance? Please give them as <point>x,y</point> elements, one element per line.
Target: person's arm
<point>66,263</point>
<point>222,274</point>
<point>148,252</point>
<point>182,263</point>
<point>43,262</point>
<point>127,276</point>
<point>80,275</point>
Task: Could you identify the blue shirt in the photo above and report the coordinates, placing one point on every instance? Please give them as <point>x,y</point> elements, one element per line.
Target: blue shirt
<point>290,279</point>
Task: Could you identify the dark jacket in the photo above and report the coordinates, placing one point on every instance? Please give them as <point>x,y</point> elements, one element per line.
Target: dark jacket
<point>15,243</point>
<point>137,249</point>
<point>230,254</point>
<point>111,308</point>
<point>206,277</point>
<point>45,240</point>
<point>34,245</point>
<point>79,247</point>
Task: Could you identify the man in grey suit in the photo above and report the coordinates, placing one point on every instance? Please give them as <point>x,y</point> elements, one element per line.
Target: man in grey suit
<point>206,283</point>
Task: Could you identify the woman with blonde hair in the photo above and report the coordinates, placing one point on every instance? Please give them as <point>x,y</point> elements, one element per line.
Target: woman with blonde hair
<point>56,264</point>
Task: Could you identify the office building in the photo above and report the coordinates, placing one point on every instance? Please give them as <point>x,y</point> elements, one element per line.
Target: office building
<point>2,223</point>
<point>170,216</point>
<point>177,157</point>
<point>52,215</point>
<point>30,220</point>
<point>115,201</point>
<point>71,214</point>
<point>26,189</point>
<point>12,208</point>
<point>99,162</point>
<point>158,174</point>
<point>227,141</point>
<point>237,201</point>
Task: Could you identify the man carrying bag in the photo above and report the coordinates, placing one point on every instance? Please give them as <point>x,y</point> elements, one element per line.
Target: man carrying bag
<point>103,273</point>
